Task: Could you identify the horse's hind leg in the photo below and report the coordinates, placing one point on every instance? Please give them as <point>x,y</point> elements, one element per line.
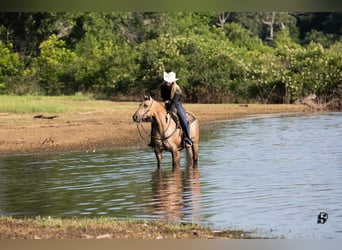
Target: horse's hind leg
<point>195,154</point>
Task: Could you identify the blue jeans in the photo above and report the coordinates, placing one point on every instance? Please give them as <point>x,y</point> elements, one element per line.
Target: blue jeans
<point>182,119</point>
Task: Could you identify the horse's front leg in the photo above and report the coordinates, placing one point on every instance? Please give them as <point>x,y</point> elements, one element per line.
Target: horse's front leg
<point>159,157</point>
<point>175,158</point>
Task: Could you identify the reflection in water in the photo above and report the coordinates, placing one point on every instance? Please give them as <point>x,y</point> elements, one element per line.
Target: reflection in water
<point>176,196</point>
<point>193,197</point>
<point>167,192</point>
<point>101,184</point>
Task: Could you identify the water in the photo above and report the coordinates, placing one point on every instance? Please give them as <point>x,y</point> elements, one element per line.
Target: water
<point>272,176</point>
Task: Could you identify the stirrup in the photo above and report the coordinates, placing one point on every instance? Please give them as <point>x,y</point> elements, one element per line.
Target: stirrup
<point>187,143</point>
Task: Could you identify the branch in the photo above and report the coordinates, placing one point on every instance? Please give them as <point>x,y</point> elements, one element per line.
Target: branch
<point>223,17</point>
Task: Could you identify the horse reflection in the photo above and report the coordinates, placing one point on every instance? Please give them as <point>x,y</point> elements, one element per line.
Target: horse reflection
<point>194,192</point>
<point>177,194</point>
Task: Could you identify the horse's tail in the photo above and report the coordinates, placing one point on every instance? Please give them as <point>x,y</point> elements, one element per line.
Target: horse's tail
<point>192,152</point>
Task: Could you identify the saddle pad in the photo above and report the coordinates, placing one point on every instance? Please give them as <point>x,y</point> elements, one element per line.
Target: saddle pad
<point>190,117</point>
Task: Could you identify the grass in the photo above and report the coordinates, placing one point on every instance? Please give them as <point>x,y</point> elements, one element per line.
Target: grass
<point>30,104</point>
<point>108,228</point>
<point>33,104</point>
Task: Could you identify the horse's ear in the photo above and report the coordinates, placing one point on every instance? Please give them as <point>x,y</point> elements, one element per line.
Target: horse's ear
<point>147,98</point>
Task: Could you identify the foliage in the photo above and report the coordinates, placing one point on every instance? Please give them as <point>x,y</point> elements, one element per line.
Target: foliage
<point>9,64</point>
<point>269,57</point>
<point>54,64</point>
<point>105,61</point>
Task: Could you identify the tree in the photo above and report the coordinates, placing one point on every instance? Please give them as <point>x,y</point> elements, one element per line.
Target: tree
<point>222,19</point>
<point>156,56</point>
<point>214,68</point>
<point>106,61</point>
<point>219,57</point>
<point>54,65</point>
<point>26,30</point>
<point>320,27</point>
<point>9,66</point>
<point>266,24</point>
<point>319,37</point>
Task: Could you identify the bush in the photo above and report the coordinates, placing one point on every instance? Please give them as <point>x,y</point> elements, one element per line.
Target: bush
<point>9,66</point>
<point>54,66</point>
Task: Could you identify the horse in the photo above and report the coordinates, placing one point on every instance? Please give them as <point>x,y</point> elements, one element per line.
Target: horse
<point>166,135</point>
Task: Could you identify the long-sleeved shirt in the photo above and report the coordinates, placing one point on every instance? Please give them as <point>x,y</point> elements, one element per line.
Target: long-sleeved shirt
<point>165,93</point>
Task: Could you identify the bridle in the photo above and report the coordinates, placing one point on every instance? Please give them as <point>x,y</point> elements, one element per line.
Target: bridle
<point>148,110</point>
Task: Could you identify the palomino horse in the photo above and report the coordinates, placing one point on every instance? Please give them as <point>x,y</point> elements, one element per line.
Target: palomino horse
<point>166,135</point>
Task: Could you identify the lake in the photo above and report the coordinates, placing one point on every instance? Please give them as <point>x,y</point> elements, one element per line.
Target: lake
<point>272,176</point>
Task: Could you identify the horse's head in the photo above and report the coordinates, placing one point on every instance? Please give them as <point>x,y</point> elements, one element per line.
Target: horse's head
<point>144,111</point>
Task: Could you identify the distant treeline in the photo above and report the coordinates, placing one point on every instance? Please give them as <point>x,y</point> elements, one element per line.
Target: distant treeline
<point>268,57</point>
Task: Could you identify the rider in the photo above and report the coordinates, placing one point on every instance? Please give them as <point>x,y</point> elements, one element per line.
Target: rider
<point>171,95</point>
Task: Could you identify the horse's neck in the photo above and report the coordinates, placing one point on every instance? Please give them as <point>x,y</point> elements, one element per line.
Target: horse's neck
<point>162,120</point>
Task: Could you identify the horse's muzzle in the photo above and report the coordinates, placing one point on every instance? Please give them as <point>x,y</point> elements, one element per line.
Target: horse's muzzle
<point>136,118</point>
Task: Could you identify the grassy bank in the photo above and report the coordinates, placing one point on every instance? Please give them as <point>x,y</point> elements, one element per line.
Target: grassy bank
<point>40,104</point>
<point>30,104</point>
<point>109,228</point>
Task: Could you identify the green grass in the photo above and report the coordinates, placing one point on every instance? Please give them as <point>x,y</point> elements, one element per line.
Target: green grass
<point>73,228</point>
<point>39,104</point>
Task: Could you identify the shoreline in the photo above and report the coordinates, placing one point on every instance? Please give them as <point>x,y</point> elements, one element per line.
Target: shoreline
<point>110,126</point>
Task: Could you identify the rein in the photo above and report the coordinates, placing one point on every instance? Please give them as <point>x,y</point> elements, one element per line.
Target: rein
<point>162,137</point>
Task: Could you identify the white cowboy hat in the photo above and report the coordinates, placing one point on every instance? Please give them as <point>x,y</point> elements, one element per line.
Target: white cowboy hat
<point>170,77</point>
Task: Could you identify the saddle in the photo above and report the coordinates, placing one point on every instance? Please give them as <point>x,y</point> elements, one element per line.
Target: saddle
<point>189,117</point>
<point>173,115</point>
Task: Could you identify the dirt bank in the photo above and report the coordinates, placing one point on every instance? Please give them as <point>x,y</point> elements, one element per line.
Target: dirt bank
<point>104,124</point>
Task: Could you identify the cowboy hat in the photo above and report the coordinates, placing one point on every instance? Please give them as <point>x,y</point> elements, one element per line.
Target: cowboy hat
<point>170,77</point>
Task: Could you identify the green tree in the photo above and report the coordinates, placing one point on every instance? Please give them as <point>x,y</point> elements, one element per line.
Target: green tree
<point>334,87</point>
<point>285,51</point>
<point>319,37</point>
<point>55,63</point>
<point>9,66</point>
<point>215,66</point>
<point>106,61</point>
<point>313,70</point>
<point>322,27</point>
<point>266,24</point>
<point>186,23</point>
<point>156,56</point>
<point>26,30</point>
<point>219,57</point>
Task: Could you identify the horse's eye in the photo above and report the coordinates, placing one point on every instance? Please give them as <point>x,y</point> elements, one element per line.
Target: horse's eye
<point>145,105</point>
